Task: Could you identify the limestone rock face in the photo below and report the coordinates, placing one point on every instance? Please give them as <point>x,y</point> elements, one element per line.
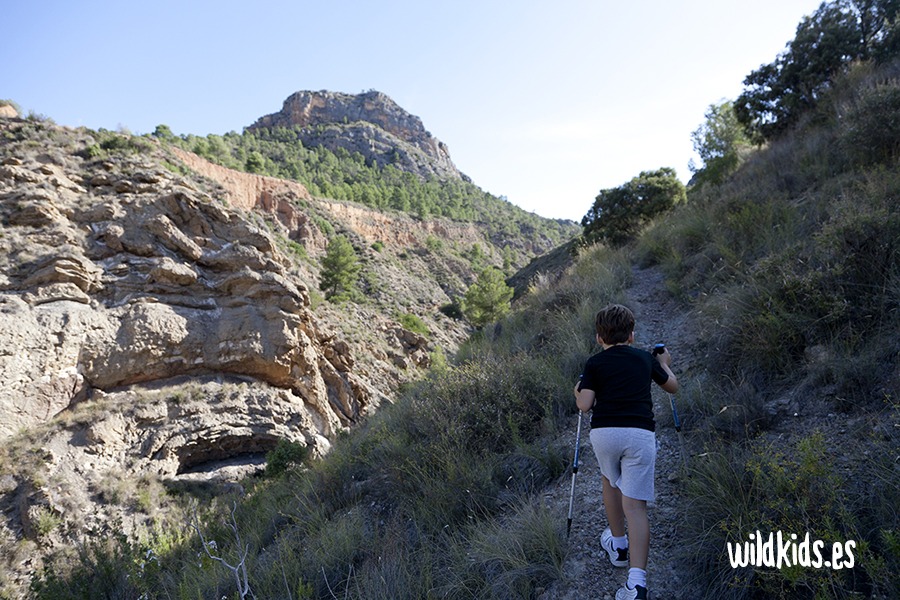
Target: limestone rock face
<point>117,273</point>
<point>369,123</point>
<point>246,191</point>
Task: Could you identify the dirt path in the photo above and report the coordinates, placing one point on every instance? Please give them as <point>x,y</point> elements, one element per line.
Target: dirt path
<point>587,571</point>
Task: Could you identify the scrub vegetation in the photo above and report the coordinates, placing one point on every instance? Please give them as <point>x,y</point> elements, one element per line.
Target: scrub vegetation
<point>793,265</point>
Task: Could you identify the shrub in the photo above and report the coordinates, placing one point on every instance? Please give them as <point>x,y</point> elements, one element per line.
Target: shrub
<point>103,568</point>
<point>434,244</point>
<point>285,454</point>
<point>487,300</point>
<point>834,289</point>
<point>298,250</point>
<point>618,214</point>
<point>510,558</point>
<point>737,491</point>
<point>452,309</point>
<point>871,127</point>
<point>413,323</point>
<point>46,521</point>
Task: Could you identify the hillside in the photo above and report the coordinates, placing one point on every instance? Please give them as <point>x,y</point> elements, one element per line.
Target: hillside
<point>164,331</point>
<point>367,150</point>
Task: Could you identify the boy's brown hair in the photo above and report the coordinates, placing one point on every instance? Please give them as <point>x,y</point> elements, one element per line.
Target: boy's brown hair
<point>615,324</point>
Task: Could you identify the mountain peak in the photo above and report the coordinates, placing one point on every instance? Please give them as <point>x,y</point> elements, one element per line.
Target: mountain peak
<point>370,123</point>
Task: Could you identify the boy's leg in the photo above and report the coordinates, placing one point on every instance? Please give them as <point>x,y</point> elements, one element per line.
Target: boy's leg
<point>612,501</point>
<point>635,512</point>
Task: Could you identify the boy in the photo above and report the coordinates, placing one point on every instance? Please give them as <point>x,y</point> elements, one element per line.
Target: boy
<point>616,385</point>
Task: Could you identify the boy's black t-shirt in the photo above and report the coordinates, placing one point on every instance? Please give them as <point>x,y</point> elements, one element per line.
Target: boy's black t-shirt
<point>620,376</point>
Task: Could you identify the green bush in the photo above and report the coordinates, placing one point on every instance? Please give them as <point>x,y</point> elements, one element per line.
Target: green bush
<point>453,310</point>
<point>298,250</point>
<point>871,127</point>
<point>112,567</point>
<point>487,300</point>
<point>413,323</point>
<point>285,454</point>
<point>834,290</point>
<point>434,244</point>
<point>512,557</point>
<point>46,521</point>
<point>619,214</point>
<point>112,143</point>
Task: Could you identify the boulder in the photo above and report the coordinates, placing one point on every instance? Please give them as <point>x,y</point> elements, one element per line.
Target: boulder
<point>8,111</point>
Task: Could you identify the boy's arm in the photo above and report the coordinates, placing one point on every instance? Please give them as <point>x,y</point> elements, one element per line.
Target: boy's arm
<point>665,359</point>
<point>671,384</point>
<point>584,399</point>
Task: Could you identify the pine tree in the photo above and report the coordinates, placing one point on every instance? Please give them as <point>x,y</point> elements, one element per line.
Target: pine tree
<point>488,298</point>
<point>339,269</point>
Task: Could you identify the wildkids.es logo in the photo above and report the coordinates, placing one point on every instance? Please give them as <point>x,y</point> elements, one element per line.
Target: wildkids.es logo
<point>779,550</point>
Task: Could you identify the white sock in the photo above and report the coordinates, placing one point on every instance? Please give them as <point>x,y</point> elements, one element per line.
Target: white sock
<point>637,577</point>
<point>620,543</point>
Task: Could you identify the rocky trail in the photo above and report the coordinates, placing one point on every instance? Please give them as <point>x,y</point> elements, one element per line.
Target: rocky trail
<point>588,573</point>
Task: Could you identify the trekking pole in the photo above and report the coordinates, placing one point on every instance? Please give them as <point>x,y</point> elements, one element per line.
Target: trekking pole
<point>574,473</point>
<point>658,349</point>
<point>678,431</point>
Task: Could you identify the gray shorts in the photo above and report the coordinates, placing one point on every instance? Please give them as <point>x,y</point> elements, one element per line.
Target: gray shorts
<point>627,457</point>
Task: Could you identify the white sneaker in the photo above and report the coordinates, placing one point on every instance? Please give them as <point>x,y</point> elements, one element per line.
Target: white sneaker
<point>639,592</point>
<point>617,556</point>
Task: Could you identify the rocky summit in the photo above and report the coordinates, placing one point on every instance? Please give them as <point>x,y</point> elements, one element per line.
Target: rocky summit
<point>369,123</point>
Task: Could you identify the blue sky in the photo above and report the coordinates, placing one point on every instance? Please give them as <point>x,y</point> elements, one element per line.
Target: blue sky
<point>544,103</point>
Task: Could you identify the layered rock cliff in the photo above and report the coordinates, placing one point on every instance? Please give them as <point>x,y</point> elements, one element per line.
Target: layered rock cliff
<point>160,324</point>
<point>118,272</point>
<point>155,327</point>
<point>369,123</point>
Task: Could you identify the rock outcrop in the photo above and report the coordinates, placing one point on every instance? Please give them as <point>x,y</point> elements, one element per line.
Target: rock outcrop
<point>268,195</point>
<point>118,274</point>
<point>369,123</point>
